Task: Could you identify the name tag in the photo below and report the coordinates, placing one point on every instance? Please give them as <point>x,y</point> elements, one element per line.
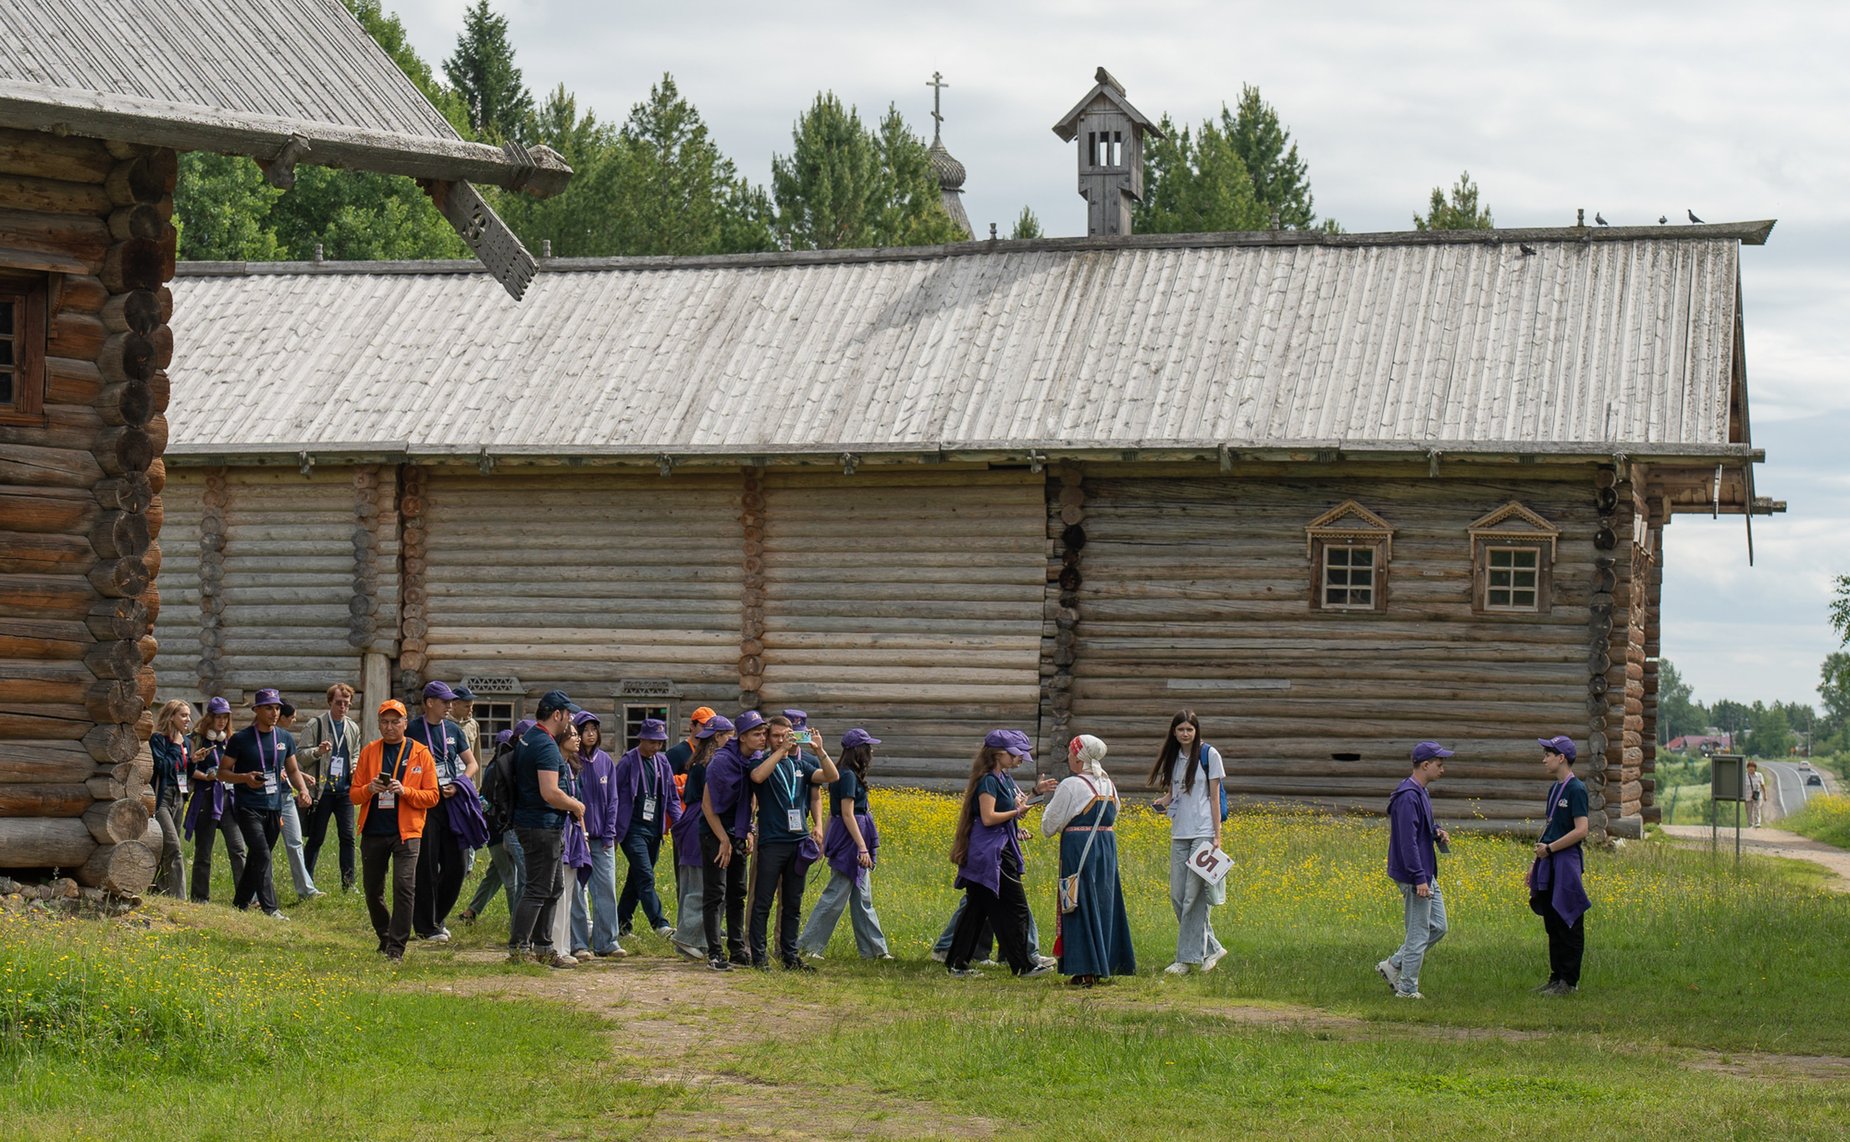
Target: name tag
<point>388,800</point>
<point>795,817</point>
<point>183,782</point>
<point>269,782</point>
<point>648,808</point>
<point>337,767</point>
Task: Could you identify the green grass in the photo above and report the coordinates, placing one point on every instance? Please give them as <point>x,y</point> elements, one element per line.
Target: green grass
<point>1824,819</point>
<point>210,1023</point>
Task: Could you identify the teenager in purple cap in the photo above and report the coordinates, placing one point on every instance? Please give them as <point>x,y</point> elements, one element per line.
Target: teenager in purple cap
<point>1414,867</point>
<point>788,789</point>
<point>987,853</point>
<point>210,810</point>
<point>851,847</point>
<point>690,938</point>
<point>594,914</point>
<point>647,807</point>
<point>1556,893</point>
<point>441,856</point>
<point>259,764</point>
<point>726,843</point>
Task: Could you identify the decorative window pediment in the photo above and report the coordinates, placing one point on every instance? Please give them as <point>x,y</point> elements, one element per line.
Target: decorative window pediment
<point>1350,522</point>
<point>1348,548</point>
<point>1512,561</point>
<point>1512,521</point>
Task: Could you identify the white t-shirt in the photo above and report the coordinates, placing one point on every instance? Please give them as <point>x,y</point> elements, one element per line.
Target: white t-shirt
<point>1756,783</point>
<point>1191,815</point>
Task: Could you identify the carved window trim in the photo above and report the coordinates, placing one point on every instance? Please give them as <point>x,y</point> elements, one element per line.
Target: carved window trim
<point>1512,528</point>
<point>24,297</point>
<point>1360,536</point>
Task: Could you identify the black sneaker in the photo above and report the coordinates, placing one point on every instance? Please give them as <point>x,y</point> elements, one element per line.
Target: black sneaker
<point>798,965</point>
<point>717,964</point>
<point>1560,989</point>
<point>1544,987</point>
<point>740,959</point>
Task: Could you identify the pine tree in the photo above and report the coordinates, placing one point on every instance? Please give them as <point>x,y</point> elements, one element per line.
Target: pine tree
<point>1027,225</point>
<point>1279,178</point>
<point>1195,182</point>
<point>482,71</point>
<point>844,185</point>
<point>1459,212</point>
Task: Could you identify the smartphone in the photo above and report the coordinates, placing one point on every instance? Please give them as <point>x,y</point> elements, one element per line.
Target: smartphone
<point>801,737</point>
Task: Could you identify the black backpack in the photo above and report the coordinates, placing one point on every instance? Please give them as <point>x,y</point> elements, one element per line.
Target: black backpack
<point>499,793</point>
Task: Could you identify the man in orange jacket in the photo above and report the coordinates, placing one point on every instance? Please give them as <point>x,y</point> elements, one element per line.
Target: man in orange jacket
<point>394,785</point>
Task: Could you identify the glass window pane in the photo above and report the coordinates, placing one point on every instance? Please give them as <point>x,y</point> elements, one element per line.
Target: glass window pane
<point>7,306</point>
<point>6,353</point>
<point>1499,578</point>
<point>6,386</point>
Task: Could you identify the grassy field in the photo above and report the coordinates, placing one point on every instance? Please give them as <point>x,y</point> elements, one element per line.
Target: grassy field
<point>1709,1005</point>
<point>1824,818</point>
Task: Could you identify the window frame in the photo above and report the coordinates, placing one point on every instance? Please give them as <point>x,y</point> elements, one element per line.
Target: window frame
<point>1535,590</point>
<point>1512,527</point>
<point>30,292</point>
<point>1348,527</point>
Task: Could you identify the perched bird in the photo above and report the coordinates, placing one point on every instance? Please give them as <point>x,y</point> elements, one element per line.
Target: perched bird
<point>1528,251</point>
<point>1600,218</point>
<point>1663,219</point>
<point>1693,218</point>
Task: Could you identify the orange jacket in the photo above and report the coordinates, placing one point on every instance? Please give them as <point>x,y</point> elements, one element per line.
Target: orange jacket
<point>419,779</point>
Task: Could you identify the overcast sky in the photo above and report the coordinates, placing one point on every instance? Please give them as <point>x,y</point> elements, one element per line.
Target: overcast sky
<point>1634,109</point>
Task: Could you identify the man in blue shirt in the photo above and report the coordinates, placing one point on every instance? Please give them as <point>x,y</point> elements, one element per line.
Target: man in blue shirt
<point>541,806</point>
<point>259,764</point>
<point>1556,893</point>
<point>1414,867</point>
<point>442,862</point>
<point>788,788</point>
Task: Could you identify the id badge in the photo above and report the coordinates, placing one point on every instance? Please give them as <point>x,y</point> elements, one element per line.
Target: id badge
<point>648,808</point>
<point>269,782</point>
<point>795,817</point>
<point>388,800</point>
<point>185,784</point>
<point>337,767</point>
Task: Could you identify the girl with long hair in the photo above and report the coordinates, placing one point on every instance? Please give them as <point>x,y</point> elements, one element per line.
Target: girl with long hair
<point>690,937</point>
<point>1190,771</point>
<point>209,811</point>
<point>987,853</point>
<point>851,847</point>
<point>172,778</point>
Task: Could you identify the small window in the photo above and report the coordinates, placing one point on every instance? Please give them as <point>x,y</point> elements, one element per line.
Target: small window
<point>493,717</point>
<point>22,349</point>
<point>1512,561</point>
<point>633,715</point>
<point>1349,547</point>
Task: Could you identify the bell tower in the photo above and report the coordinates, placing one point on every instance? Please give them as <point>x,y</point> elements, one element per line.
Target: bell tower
<point>1110,133</point>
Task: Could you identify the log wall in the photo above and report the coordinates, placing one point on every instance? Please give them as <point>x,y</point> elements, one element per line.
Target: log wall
<point>907,602</point>
<point>81,508</point>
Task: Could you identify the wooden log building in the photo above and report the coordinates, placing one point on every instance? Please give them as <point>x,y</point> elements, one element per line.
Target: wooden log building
<point>97,97</point>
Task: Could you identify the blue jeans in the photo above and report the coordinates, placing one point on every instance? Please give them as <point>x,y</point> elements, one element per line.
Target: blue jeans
<point>842,893</point>
<point>1425,927</point>
<point>985,941</point>
<point>640,849</point>
<point>595,926</point>
<point>506,872</point>
<point>690,909</point>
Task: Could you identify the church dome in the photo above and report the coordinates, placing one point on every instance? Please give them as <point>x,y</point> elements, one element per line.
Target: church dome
<point>950,172</point>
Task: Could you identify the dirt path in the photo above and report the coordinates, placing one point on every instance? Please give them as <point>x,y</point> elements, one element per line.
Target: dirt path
<point>1771,842</point>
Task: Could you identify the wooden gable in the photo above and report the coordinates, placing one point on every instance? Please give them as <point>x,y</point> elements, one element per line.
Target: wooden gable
<point>1349,522</point>
<point>1513,521</point>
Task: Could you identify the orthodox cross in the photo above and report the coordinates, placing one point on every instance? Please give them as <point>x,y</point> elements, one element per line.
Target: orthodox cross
<point>937,85</point>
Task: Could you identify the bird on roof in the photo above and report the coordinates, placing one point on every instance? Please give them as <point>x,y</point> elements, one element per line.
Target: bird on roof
<point>1693,218</point>
<point>1528,251</point>
<point>1600,218</point>
<point>1663,219</point>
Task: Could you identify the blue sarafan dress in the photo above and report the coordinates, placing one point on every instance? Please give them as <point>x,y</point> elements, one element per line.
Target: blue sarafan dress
<point>1095,939</point>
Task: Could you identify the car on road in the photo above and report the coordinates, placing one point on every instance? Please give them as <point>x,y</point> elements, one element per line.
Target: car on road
<point>1814,779</point>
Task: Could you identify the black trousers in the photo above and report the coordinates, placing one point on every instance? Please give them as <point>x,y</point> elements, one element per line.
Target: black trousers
<point>336,804</point>
<point>1005,912</point>
<point>440,873</point>
<point>777,872</point>
<point>1566,942</point>
<point>259,828</point>
<point>205,836</point>
<point>723,897</point>
<point>640,850</point>
<point>379,852</point>
<point>542,852</point>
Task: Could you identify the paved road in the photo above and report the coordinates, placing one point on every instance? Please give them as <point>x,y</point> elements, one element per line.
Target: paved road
<point>1789,789</point>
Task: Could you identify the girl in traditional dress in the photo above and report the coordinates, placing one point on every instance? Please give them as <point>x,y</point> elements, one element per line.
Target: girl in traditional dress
<point>210,809</point>
<point>1095,936</point>
<point>850,846</point>
<point>987,853</point>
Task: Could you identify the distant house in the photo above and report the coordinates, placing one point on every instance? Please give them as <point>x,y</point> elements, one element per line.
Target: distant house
<point>96,99</point>
<point>1704,744</point>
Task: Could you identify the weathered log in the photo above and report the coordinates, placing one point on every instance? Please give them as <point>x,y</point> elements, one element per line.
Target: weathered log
<point>139,311</point>
<point>157,472</point>
<point>116,821</point>
<point>75,336</point>
<point>71,382</point>
<point>135,264</point>
<point>125,449</point>
<point>81,293</point>
<point>70,235</point>
<point>142,220</point>
<point>149,178</point>
<point>41,155</point>
<point>160,390</point>
<point>119,535</point>
<point>126,357</point>
<point>126,869</point>
<point>44,842</point>
<point>123,578</point>
<point>69,800</point>
<point>113,743</point>
<point>36,510</point>
<point>128,403</point>
<point>114,660</point>
<point>51,196</point>
<point>162,339</point>
<point>112,700</point>
<point>131,492</point>
<point>152,559</point>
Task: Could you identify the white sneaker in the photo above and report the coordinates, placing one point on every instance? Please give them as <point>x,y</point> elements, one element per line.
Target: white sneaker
<point>1047,961</point>
<point>1386,970</point>
<point>986,963</point>
<point>1037,970</point>
<point>440,936</point>
<point>1398,994</point>
<point>812,955</point>
<point>939,956</point>
<point>276,914</point>
<point>666,931</point>
<point>560,960</point>
<point>1177,968</point>
<point>1213,958</point>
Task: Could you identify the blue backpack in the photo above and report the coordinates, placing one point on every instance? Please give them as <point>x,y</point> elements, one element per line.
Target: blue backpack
<point>1201,759</point>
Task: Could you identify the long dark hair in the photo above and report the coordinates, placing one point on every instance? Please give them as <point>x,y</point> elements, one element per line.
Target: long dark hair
<point>703,750</point>
<point>855,759</point>
<point>1166,757</point>
<point>982,765</point>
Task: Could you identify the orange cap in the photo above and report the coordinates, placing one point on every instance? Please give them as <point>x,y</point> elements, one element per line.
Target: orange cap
<point>700,716</point>
<point>394,705</point>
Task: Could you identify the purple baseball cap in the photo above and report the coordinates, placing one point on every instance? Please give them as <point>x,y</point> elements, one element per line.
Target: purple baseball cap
<point>798,719</point>
<point>439,690</point>
<point>1014,741</point>
<point>217,706</point>
<point>267,698</point>
<point>717,724</point>
<point>581,717</point>
<point>504,737</point>
<point>858,736</point>
<point>522,726</point>
<point>1426,751</point>
<point>747,721</point>
<point>1562,745</point>
<point>652,730</point>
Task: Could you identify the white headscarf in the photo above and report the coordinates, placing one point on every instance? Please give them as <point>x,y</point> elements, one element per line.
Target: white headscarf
<point>1091,754</point>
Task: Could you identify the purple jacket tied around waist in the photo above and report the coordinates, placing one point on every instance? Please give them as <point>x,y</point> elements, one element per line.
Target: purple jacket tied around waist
<point>838,846</point>
<point>464,808</point>
<point>1410,834</point>
<point>577,853</point>
<point>630,769</point>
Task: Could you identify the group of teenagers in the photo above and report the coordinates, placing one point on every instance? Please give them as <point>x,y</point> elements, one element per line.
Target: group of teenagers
<point>553,810</point>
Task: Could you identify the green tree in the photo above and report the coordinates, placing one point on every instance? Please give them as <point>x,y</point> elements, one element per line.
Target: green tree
<point>582,220</point>
<point>1731,717</point>
<point>389,33</point>
<point>1459,212</point>
<point>1834,690</point>
<point>1196,182</point>
<point>1770,732</point>
<point>1840,609</point>
<point>1026,225</point>
<point>221,206</point>
<point>677,194</point>
<point>1677,712</point>
<point>482,71</point>
<point>1279,178</point>
<point>844,185</point>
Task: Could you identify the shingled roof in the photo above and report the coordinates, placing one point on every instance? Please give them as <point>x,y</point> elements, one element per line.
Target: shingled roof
<point>1597,342</point>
